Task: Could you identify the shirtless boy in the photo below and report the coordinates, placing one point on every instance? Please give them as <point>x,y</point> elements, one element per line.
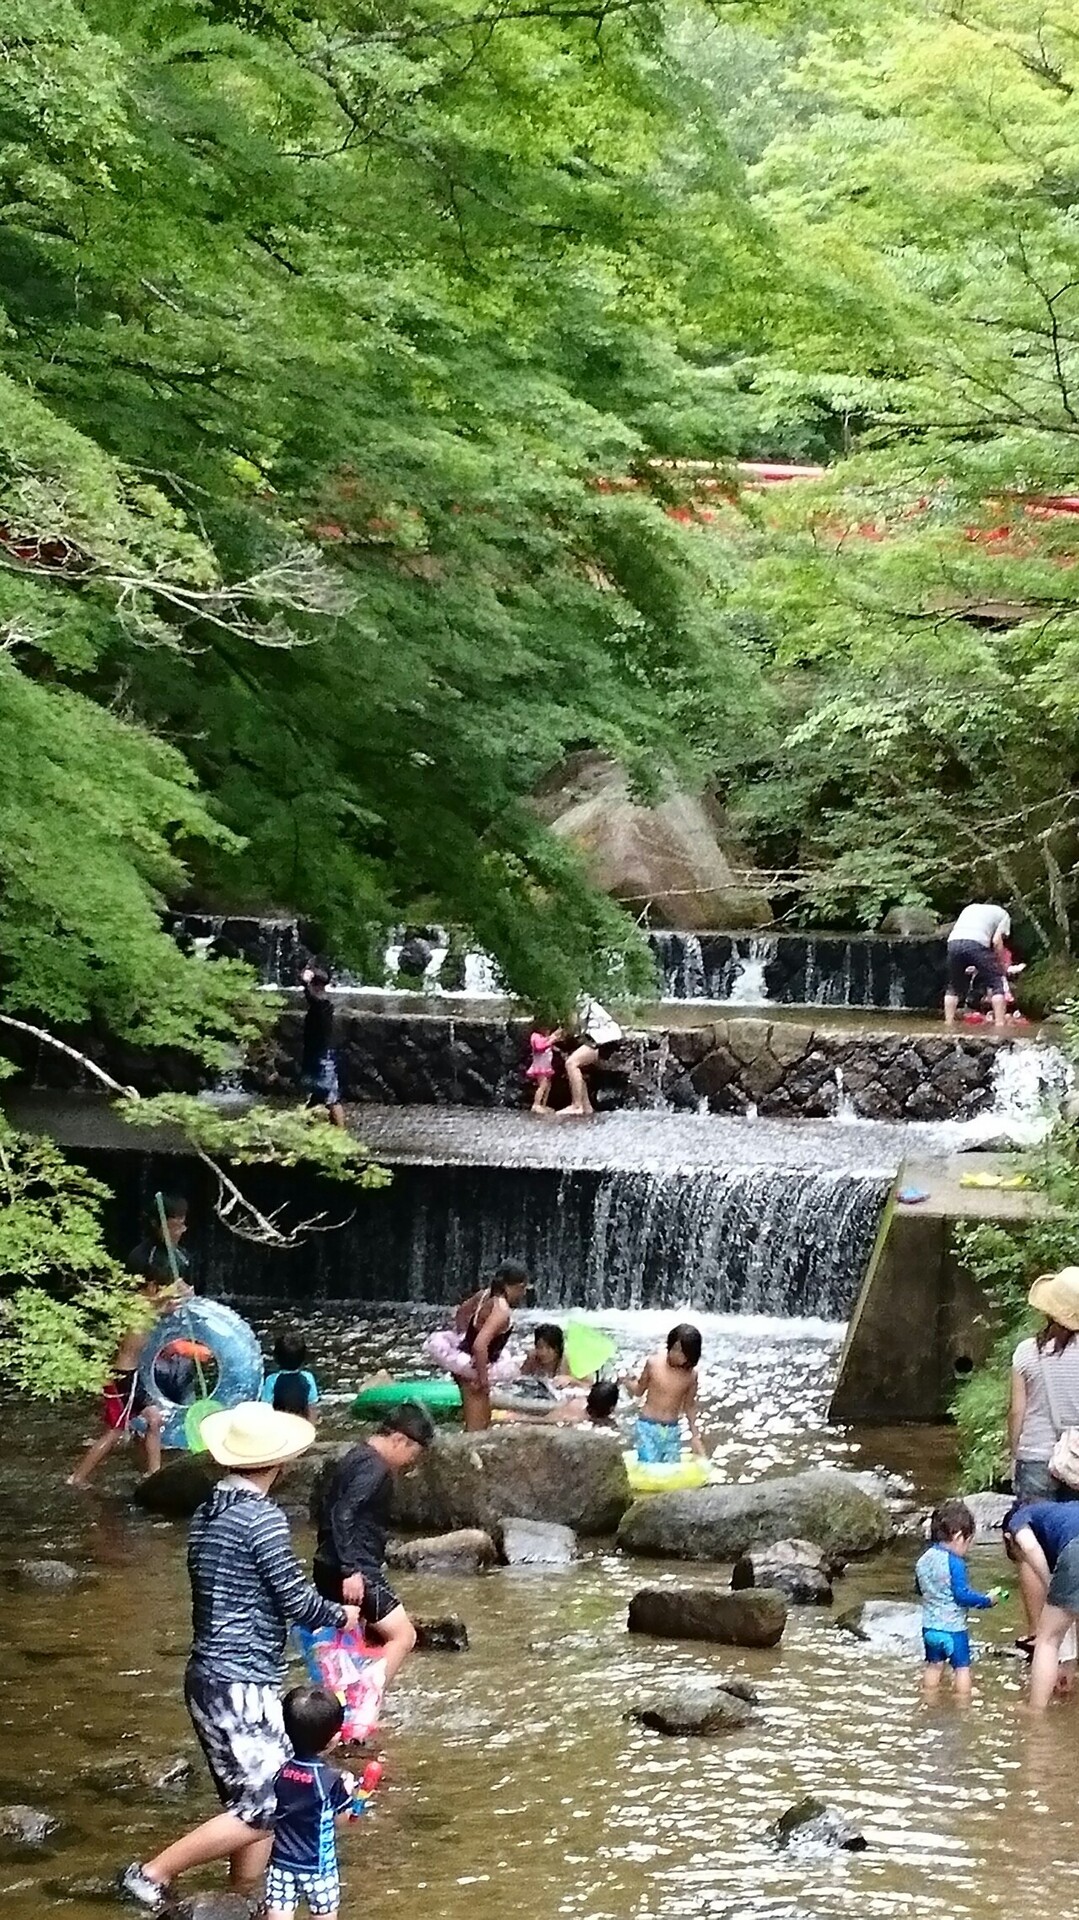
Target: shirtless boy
<point>668,1388</point>
<point>124,1405</point>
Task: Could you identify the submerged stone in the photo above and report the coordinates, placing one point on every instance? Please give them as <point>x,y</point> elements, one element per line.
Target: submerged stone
<point>697,1710</point>
<point>57,1574</point>
<point>888,1626</point>
<point>817,1827</point>
<point>445,1635</point>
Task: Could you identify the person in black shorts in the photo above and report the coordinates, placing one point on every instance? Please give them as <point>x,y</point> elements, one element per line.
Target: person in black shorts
<point>350,1509</point>
<point>976,946</point>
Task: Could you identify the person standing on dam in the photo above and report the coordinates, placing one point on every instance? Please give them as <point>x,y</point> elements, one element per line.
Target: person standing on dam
<point>976,945</point>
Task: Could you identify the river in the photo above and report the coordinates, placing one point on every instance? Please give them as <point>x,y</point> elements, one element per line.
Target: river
<point>514,1783</point>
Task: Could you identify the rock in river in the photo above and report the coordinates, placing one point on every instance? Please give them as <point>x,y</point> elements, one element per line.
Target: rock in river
<point>178,1487</point>
<point>25,1832</point>
<point>446,1635</point>
<point>817,1828</point>
<point>572,1477</point>
<point>720,1523</point>
<point>468,1550</point>
<point>56,1575</point>
<point>696,1710</point>
<point>795,1568</point>
<point>889,1626</point>
<point>537,1543</point>
<point>755,1618</point>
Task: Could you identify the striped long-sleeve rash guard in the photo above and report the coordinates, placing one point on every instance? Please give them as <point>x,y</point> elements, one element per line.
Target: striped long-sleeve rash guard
<point>247,1588</point>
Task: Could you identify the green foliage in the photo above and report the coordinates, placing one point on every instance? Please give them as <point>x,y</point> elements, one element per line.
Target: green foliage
<point>64,1301</point>
<point>917,614</point>
<point>334,321</point>
<point>261,1135</point>
<point>1046,986</point>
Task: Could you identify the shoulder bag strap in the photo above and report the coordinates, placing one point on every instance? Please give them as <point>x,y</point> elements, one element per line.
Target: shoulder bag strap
<point>1047,1384</point>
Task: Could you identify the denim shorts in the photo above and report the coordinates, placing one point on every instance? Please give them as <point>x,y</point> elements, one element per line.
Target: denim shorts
<point>321,1081</point>
<point>1064,1585</point>
<point>1033,1481</point>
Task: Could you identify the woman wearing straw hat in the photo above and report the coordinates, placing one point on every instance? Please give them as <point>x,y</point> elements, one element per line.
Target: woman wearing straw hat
<point>1045,1386</point>
<point>1044,1403</point>
<point>247,1589</point>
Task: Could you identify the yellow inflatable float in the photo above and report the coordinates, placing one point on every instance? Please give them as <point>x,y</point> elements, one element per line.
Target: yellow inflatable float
<point>691,1471</point>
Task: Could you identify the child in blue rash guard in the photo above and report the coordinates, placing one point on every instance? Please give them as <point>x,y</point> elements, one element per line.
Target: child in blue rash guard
<point>311,1798</point>
<point>941,1578</point>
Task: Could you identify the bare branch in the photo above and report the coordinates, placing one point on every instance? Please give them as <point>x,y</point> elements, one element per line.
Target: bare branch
<point>233,1207</point>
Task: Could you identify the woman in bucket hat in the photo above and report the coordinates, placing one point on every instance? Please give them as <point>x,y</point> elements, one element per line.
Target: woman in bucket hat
<point>247,1589</point>
<point>1044,1401</point>
<point>1045,1386</point>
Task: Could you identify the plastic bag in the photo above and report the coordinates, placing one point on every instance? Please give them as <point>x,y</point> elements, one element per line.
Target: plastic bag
<point>346,1664</point>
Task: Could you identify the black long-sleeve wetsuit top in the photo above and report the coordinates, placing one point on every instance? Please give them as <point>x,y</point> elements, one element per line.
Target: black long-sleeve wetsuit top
<point>353,1518</point>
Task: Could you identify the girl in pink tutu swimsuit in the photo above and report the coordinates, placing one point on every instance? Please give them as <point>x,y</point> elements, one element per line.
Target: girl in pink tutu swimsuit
<point>473,1349</point>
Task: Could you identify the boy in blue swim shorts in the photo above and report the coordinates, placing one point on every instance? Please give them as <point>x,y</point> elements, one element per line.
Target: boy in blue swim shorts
<point>668,1388</point>
<point>941,1579</point>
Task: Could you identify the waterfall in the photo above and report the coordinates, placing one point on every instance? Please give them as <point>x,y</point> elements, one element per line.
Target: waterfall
<point>1029,1088</point>
<point>754,1239</point>
<point>482,979</point>
<point>728,969</point>
<point>749,988</point>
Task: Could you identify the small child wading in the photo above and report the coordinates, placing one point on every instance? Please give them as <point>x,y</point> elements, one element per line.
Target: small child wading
<point>668,1387</point>
<point>311,1798</point>
<point>941,1579</point>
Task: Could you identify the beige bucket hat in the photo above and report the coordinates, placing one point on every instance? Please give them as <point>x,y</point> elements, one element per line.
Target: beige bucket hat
<point>254,1436</point>
<point>1057,1296</point>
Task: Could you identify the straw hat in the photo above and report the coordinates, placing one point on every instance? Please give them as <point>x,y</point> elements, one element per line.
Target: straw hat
<point>1057,1296</point>
<point>254,1436</point>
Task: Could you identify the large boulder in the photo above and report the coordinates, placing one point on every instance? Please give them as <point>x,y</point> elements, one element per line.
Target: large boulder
<point>568,1475</point>
<point>178,1487</point>
<point>754,1618</point>
<point>697,1710</point>
<point>468,1550</point>
<point>720,1523</point>
<point>796,1568</point>
<point>678,856</point>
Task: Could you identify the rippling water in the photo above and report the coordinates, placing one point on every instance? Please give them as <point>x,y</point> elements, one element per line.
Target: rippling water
<point>514,1783</point>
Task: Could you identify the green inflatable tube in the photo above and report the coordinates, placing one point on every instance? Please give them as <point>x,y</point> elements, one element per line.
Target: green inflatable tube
<point>442,1398</point>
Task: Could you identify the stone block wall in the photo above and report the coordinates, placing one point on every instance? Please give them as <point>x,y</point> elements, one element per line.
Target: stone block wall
<point>775,1067</point>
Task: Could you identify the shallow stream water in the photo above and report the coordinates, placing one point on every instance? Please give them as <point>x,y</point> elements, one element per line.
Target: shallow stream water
<point>514,1783</point>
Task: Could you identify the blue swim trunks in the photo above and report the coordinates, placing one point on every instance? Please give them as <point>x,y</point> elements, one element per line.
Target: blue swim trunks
<point>941,1647</point>
<point>659,1442</point>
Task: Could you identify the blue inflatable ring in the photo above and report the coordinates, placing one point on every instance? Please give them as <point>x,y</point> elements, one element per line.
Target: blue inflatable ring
<point>236,1372</point>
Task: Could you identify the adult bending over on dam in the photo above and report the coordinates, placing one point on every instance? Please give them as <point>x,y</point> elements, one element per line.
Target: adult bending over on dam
<point>976,945</point>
